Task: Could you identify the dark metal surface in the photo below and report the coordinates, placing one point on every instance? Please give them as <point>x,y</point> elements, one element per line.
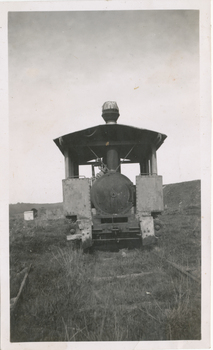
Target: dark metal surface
<point>89,143</point>
<point>113,193</point>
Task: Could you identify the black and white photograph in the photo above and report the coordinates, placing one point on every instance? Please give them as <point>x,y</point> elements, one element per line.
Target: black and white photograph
<point>108,177</point>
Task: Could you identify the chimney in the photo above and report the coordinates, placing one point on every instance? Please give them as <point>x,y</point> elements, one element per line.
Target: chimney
<point>110,112</point>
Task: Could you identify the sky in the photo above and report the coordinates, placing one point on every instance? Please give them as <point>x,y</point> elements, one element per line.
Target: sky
<point>64,65</point>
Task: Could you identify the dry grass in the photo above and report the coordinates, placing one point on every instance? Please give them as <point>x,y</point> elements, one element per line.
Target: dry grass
<point>64,302</point>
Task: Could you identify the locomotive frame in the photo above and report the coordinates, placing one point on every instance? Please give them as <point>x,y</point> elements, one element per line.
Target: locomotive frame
<point>108,208</point>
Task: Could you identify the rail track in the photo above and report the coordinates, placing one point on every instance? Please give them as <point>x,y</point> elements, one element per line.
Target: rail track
<point>185,271</point>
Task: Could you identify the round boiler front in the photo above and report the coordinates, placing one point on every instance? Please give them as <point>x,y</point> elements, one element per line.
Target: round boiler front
<point>112,193</point>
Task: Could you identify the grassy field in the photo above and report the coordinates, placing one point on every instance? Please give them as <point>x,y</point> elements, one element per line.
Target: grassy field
<point>67,299</point>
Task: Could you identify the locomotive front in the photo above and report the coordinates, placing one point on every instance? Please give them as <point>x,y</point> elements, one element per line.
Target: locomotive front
<point>112,194</point>
<point>107,208</point>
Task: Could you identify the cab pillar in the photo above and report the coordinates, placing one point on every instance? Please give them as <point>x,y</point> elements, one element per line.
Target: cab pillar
<point>71,165</point>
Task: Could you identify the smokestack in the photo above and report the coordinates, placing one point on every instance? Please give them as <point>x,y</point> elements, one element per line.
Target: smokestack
<point>110,112</point>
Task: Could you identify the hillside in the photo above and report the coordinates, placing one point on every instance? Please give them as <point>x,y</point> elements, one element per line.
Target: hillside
<point>20,208</point>
<point>182,196</point>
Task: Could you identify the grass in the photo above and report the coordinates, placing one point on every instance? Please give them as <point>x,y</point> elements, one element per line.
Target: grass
<point>64,300</point>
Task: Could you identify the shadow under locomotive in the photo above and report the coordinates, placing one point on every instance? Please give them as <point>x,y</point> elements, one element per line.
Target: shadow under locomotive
<point>107,209</point>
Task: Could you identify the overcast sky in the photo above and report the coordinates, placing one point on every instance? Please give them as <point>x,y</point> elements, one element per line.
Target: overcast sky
<point>64,65</point>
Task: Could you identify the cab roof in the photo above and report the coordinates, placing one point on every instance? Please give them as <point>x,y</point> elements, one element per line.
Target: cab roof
<point>133,143</point>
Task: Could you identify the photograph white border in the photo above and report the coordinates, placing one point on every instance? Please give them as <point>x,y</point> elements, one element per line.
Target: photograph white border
<point>205,137</point>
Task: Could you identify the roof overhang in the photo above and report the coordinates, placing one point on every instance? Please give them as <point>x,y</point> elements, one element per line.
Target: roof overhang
<point>88,144</point>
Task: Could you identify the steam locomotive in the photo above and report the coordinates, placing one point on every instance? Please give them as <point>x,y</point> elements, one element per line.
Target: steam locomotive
<point>106,207</point>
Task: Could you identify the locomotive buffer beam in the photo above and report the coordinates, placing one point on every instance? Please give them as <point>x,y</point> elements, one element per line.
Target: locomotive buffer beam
<point>116,234</point>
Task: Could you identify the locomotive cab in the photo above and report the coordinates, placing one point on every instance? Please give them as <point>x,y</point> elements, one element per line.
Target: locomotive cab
<point>107,208</point>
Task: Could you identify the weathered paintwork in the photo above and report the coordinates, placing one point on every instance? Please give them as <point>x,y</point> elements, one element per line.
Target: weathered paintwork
<point>76,197</point>
<point>77,205</point>
<point>147,230</point>
<point>149,194</point>
<point>149,199</point>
